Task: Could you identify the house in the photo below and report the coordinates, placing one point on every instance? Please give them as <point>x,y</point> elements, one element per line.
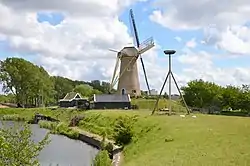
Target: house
<point>73,99</point>
<point>112,101</point>
<point>153,92</point>
<point>175,97</point>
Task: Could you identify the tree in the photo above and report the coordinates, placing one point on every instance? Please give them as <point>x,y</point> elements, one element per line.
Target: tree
<point>230,95</point>
<point>62,86</point>
<point>84,89</point>
<point>16,76</point>
<point>17,148</point>
<point>28,82</point>
<point>199,93</point>
<point>165,95</point>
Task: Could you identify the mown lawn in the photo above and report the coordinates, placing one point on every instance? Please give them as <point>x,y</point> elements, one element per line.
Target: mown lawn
<point>148,104</point>
<point>175,141</point>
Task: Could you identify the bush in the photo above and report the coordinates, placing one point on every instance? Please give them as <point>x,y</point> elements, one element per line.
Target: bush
<point>102,159</point>
<point>17,148</point>
<point>123,130</point>
<point>47,124</point>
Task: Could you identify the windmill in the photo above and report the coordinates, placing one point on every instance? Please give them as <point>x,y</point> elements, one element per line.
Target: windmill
<point>128,77</point>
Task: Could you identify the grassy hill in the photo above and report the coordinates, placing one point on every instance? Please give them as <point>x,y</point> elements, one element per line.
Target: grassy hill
<point>174,141</point>
<point>208,140</point>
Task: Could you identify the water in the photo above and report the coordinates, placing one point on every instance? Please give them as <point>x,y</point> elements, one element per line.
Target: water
<point>62,151</point>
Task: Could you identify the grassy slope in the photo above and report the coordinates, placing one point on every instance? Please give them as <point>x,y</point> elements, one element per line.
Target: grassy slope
<point>206,140</point>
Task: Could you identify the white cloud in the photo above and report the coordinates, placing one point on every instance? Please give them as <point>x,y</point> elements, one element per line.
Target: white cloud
<point>200,65</point>
<point>78,47</point>
<point>223,22</point>
<point>191,43</point>
<point>191,14</point>
<point>177,38</point>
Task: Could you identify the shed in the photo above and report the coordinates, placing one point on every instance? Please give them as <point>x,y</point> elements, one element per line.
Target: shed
<point>73,99</point>
<point>112,101</point>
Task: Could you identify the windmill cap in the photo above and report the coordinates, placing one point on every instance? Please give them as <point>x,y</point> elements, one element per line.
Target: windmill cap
<point>169,52</point>
<point>129,51</point>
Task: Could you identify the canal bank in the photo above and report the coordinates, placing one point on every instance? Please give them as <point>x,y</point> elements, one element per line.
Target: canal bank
<point>75,133</point>
<point>80,134</point>
<point>96,141</point>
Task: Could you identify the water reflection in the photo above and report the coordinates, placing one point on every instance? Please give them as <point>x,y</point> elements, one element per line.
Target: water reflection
<point>62,151</point>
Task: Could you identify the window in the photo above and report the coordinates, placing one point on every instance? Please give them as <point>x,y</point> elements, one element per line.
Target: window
<point>133,91</point>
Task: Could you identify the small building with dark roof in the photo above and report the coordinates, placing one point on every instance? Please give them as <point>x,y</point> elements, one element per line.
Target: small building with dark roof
<point>112,101</point>
<point>73,99</point>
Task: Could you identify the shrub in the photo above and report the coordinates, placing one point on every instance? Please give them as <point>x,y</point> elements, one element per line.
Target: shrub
<point>63,129</point>
<point>17,148</point>
<point>102,159</point>
<point>47,124</point>
<point>123,130</point>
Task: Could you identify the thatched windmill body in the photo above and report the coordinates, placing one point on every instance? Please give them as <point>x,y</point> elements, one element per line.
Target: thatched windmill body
<point>127,76</point>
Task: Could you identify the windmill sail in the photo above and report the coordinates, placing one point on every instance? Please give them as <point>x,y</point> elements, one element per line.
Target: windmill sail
<point>136,38</point>
<point>146,45</point>
<point>133,28</point>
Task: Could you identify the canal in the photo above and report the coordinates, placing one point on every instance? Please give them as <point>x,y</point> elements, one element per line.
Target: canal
<point>62,151</point>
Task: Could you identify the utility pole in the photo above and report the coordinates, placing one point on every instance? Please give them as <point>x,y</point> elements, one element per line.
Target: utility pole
<point>169,75</point>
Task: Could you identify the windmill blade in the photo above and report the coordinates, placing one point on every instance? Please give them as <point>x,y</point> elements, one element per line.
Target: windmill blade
<point>121,74</point>
<point>133,28</point>
<point>113,50</point>
<point>114,74</point>
<point>136,36</point>
<point>146,45</point>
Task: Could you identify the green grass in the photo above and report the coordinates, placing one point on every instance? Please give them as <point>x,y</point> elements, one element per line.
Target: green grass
<point>148,104</point>
<point>174,141</point>
<point>28,113</point>
<point>208,140</point>
<point>59,128</point>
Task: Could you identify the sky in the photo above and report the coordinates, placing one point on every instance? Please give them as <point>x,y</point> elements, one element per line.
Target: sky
<point>71,38</point>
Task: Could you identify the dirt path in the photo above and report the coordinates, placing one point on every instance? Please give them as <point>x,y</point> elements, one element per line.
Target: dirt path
<point>3,106</point>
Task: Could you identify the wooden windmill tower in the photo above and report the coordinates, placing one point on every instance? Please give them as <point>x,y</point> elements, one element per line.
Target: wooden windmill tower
<point>128,77</point>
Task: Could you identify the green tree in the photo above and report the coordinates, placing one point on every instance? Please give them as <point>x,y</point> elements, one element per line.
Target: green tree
<point>244,98</point>
<point>84,89</point>
<point>62,86</point>
<point>28,82</point>
<point>230,95</point>
<point>16,76</point>
<point>17,148</point>
<point>199,93</point>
